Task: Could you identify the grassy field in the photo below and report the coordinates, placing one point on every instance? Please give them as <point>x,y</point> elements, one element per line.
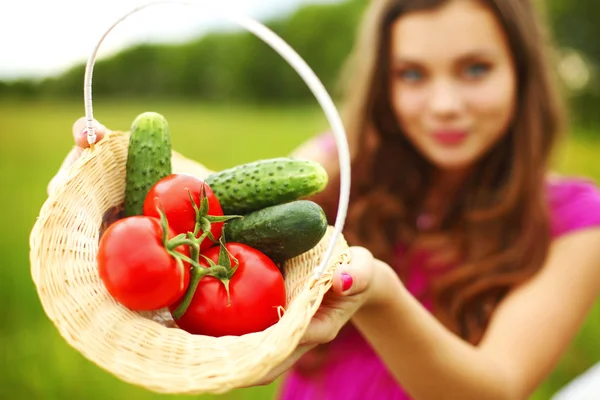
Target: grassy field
<point>36,363</point>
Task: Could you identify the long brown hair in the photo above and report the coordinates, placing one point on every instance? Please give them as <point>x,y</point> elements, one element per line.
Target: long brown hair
<point>499,223</point>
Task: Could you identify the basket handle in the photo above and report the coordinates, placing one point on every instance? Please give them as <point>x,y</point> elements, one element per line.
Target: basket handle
<point>295,61</point>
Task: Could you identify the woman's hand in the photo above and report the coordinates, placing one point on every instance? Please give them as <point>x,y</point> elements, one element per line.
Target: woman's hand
<point>363,281</point>
<point>79,132</point>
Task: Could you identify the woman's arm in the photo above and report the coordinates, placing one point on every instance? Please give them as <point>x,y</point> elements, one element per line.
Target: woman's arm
<point>527,335</point>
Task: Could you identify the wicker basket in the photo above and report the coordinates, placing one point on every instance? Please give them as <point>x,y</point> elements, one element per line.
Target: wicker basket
<point>147,349</point>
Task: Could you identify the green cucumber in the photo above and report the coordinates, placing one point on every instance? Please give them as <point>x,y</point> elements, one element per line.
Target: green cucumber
<point>252,186</point>
<point>148,159</point>
<point>282,231</point>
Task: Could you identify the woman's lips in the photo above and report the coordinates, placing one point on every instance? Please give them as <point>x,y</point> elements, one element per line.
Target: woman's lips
<point>449,137</point>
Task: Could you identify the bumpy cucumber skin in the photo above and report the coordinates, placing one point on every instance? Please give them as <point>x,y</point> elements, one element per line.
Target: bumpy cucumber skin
<point>282,231</point>
<point>252,186</point>
<point>148,159</point>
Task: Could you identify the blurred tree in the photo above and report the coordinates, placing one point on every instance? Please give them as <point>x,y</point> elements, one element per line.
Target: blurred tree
<point>237,66</point>
<point>21,88</point>
<point>576,29</point>
<point>220,66</point>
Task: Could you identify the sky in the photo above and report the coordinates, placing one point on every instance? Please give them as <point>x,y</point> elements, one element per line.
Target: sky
<point>41,38</point>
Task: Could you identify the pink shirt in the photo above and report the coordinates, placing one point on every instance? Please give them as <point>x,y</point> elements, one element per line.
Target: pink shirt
<point>352,370</point>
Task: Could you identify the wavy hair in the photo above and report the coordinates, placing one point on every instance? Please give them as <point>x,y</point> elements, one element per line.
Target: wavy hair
<point>497,230</point>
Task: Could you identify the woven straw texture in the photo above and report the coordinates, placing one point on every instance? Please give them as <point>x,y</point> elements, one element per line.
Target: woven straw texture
<point>143,348</point>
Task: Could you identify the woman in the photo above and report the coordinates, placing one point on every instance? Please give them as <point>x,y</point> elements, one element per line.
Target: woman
<point>481,265</point>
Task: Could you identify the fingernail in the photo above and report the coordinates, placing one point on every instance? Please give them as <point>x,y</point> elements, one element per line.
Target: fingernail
<point>83,132</point>
<point>346,281</point>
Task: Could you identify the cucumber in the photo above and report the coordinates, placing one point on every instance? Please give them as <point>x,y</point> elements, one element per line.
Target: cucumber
<point>252,186</point>
<point>281,231</point>
<point>148,159</point>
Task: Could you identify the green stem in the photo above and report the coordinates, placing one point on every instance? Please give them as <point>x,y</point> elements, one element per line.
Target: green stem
<point>223,271</point>
<point>223,274</point>
<point>198,240</point>
<point>186,259</point>
<point>195,251</point>
<point>197,229</point>
<point>226,284</point>
<point>197,273</point>
<point>174,243</point>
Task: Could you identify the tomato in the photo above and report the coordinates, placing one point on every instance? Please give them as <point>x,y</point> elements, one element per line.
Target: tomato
<point>137,269</point>
<point>256,293</point>
<point>172,193</point>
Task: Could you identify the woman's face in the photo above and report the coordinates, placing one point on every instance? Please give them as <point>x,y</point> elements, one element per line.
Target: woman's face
<point>453,82</point>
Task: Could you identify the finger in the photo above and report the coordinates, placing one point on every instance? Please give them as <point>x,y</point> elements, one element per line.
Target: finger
<point>354,278</point>
<point>80,132</point>
<point>80,137</point>
<point>325,327</point>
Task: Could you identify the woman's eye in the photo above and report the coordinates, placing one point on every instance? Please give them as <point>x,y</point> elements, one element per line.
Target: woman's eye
<point>476,70</point>
<point>410,75</point>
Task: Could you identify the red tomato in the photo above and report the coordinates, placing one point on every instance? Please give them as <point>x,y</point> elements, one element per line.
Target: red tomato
<point>256,290</point>
<point>171,192</point>
<point>137,269</point>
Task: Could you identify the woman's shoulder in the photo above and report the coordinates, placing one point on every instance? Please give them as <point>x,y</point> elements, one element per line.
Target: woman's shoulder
<point>574,203</point>
<point>322,144</point>
<point>320,148</point>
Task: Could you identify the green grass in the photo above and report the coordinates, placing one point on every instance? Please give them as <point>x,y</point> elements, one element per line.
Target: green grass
<point>36,363</point>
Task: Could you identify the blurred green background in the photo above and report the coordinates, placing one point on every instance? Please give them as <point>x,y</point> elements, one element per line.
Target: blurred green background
<point>229,99</point>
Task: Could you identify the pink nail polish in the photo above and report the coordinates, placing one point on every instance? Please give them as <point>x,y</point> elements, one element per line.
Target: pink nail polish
<point>346,281</point>
<point>84,132</point>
